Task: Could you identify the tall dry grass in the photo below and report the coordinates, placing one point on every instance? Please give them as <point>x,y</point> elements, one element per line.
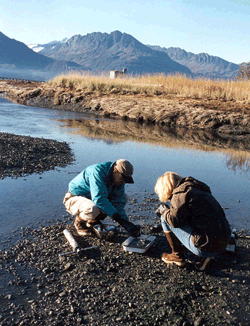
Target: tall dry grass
<point>158,85</point>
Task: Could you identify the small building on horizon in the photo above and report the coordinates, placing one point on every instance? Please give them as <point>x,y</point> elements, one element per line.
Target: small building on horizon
<point>117,73</point>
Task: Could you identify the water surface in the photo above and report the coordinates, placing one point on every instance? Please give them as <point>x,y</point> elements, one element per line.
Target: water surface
<point>38,198</point>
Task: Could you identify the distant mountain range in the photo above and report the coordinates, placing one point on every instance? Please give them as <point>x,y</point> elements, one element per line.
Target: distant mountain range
<point>102,52</point>
<point>202,64</point>
<point>19,61</point>
<point>114,51</point>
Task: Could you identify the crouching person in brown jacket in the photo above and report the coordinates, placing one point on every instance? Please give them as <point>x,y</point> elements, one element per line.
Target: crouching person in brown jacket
<point>195,219</point>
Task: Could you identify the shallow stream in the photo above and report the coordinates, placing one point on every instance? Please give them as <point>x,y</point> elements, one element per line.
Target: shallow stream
<point>38,198</point>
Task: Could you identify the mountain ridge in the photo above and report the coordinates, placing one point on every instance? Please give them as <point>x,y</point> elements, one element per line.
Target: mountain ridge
<point>102,52</point>
<point>17,59</point>
<point>202,63</point>
<point>115,51</point>
<point>134,55</point>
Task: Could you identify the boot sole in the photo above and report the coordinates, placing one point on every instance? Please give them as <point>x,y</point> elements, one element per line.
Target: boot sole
<point>170,262</point>
<point>84,233</point>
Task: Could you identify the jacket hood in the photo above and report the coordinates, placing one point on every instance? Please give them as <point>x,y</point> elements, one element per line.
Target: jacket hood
<point>188,182</point>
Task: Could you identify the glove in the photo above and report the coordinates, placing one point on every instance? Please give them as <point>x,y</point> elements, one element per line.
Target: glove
<point>161,209</point>
<point>156,229</point>
<point>132,229</point>
<point>101,216</point>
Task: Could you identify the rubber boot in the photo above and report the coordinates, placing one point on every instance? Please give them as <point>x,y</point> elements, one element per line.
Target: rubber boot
<point>177,255</point>
<point>81,227</point>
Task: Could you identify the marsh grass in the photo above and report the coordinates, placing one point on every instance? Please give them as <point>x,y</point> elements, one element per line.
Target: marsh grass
<point>157,85</point>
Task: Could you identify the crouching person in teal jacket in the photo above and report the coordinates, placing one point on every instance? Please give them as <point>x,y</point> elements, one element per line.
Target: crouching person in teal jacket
<point>98,192</point>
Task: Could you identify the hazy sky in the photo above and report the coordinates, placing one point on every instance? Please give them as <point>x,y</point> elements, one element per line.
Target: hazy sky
<point>220,28</point>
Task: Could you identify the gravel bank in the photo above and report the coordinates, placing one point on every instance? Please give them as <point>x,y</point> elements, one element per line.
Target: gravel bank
<point>109,286</point>
<point>23,155</point>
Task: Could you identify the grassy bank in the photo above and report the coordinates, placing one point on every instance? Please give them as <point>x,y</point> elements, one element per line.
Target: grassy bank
<point>176,101</point>
<point>158,85</point>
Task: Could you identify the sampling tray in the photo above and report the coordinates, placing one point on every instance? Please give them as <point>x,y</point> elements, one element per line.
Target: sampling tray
<point>140,245</point>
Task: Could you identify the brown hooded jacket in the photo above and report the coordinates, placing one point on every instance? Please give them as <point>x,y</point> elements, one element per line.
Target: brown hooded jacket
<point>193,204</point>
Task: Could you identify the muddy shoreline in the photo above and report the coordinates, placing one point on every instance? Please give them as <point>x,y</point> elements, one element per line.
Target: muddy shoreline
<point>221,117</point>
<point>109,286</point>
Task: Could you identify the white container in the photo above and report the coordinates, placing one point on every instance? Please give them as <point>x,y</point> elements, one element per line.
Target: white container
<point>140,245</point>
<point>75,246</point>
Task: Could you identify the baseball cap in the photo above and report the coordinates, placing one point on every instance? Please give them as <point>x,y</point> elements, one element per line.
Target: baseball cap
<point>126,169</point>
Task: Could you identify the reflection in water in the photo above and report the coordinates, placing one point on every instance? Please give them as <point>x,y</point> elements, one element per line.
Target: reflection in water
<point>238,162</point>
<point>236,150</point>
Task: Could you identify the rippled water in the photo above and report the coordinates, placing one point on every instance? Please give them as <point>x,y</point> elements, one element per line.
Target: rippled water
<point>153,151</point>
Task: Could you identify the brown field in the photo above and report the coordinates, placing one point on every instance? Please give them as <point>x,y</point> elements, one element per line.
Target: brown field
<point>159,85</point>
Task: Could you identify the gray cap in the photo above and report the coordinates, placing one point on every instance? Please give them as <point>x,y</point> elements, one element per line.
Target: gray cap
<point>126,169</point>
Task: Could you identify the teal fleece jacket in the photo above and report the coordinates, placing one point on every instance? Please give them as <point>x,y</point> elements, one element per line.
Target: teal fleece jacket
<point>95,183</point>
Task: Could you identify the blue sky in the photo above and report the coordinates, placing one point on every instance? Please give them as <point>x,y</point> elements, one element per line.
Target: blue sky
<point>219,28</point>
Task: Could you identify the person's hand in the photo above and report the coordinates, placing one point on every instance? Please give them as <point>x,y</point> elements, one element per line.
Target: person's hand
<point>132,229</point>
<point>101,216</point>
<point>161,209</point>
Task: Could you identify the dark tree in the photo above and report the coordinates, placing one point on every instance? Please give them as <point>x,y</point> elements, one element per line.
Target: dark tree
<point>244,71</point>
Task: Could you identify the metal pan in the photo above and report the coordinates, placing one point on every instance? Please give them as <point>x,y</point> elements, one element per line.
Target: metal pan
<point>140,244</point>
